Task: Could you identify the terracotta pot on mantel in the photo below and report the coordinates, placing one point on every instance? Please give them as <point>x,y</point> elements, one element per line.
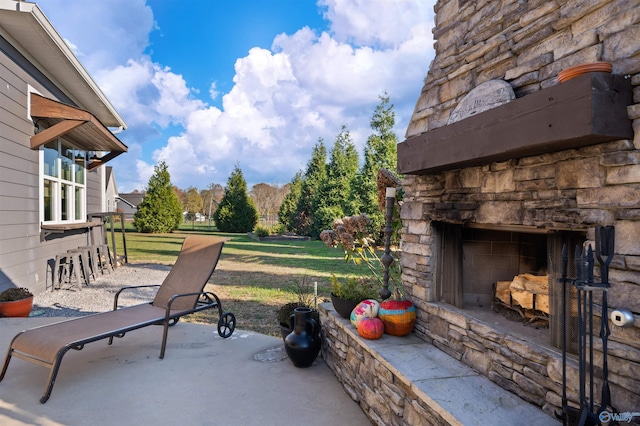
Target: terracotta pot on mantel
<point>572,72</point>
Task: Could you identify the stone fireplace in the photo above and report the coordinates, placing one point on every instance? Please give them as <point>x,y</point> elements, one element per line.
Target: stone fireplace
<point>497,191</point>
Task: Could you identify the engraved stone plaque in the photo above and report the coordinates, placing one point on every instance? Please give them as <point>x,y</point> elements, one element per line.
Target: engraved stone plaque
<point>488,95</point>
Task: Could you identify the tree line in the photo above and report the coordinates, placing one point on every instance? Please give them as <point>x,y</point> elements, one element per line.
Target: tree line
<point>333,185</point>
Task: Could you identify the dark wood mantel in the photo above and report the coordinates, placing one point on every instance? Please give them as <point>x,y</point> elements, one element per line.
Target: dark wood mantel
<point>586,110</point>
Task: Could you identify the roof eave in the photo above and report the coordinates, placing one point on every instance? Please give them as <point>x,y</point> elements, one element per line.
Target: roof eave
<point>88,96</point>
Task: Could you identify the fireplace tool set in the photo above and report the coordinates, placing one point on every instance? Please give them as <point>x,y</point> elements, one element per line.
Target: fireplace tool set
<point>585,286</point>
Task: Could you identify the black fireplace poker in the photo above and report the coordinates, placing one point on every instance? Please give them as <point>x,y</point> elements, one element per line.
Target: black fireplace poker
<point>585,286</point>
<point>605,245</point>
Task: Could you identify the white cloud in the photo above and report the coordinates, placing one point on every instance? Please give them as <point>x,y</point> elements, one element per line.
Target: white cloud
<point>305,87</point>
<point>174,102</point>
<point>144,171</point>
<point>103,33</point>
<point>147,94</point>
<point>123,83</point>
<point>380,23</point>
<point>183,161</point>
<point>213,91</point>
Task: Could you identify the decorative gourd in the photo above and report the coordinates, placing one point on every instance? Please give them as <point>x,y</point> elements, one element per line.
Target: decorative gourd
<point>366,308</point>
<point>370,328</point>
<point>398,316</point>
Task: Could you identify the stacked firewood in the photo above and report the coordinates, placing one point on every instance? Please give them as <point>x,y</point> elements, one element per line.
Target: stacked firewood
<point>527,294</point>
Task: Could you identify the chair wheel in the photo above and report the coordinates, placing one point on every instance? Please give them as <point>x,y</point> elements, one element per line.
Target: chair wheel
<point>226,325</point>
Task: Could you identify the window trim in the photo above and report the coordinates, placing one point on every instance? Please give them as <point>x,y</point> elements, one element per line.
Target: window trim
<point>58,183</point>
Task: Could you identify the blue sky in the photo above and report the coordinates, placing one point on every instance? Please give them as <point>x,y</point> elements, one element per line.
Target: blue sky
<point>208,84</point>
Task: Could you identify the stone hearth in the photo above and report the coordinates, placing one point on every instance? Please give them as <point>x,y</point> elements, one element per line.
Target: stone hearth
<point>406,381</point>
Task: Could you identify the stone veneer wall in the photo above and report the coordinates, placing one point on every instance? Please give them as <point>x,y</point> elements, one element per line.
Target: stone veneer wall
<point>527,44</point>
<point>385,396</point>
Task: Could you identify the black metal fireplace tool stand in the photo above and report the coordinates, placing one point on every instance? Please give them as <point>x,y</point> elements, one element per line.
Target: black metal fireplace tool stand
<point>585,286</point>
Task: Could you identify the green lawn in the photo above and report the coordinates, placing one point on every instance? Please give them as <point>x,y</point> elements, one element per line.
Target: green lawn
<point>253,278</point>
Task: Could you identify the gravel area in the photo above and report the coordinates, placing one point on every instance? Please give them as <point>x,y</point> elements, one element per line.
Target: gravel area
<point>79,300</point>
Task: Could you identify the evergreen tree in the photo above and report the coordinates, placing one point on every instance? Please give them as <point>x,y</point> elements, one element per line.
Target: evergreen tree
<point>332,198</point>
<point>380,152</point>
<point>314,175</point>
<point>236,212</point>
<point>287,211</point>
<point>160,209</point>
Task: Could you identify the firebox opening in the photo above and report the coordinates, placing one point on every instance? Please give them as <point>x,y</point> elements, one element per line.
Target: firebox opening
<point>490,256</point>
<point>505,277</point>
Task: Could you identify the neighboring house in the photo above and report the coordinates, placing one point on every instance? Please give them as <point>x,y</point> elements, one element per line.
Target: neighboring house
<point>199,217</point>
<point>128,203</point>
<point>110,191</point>
<point>54,140</point>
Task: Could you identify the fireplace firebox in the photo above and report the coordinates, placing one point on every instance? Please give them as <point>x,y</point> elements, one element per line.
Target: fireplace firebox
<point>473,260</point>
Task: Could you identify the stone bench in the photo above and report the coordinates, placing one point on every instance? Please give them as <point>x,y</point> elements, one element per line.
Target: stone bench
<point>405,380</point>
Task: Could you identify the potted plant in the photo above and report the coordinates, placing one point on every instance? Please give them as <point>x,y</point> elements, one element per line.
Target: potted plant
<point>354,235</point>
<point>347,293</point>
<point>306,299</point>
<point>284,317</point>
<point>16,302</point>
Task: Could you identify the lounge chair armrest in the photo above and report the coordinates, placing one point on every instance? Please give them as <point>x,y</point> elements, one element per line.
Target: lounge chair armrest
<point>117,295</point>
<point>179,295</point>
<point>208,295</point>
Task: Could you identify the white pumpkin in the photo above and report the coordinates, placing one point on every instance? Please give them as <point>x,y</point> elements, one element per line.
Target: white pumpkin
<point>366,308</point>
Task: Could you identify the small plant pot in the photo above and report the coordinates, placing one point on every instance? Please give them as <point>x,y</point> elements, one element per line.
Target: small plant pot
<point>18,308</point>
<point>285,329</point>
<point>577,70</point>
<point>343,306</point>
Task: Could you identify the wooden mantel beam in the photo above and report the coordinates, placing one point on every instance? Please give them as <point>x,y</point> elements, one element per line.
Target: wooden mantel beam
<point>585,110</point>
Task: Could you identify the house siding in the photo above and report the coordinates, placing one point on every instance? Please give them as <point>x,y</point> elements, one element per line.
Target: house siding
<point>24,258</point>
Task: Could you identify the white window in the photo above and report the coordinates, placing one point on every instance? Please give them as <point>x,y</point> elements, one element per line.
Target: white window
<point>64,183</point>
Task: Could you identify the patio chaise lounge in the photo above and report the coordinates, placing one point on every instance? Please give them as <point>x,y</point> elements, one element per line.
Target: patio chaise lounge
<point>181,293</point>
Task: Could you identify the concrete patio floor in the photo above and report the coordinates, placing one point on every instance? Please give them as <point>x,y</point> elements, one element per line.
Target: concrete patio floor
<point>203,380</point>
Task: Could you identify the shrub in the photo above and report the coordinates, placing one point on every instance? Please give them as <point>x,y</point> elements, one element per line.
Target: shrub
<point>324,218</point>
<point>261,231</point>
<point>306,299</point>
<point>278,229</point>
<point>353,288</point>
<point>236,212</point>
<point>160,209</point>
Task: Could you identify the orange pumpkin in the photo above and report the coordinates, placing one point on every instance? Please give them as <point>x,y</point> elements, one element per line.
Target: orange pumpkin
<point>370,328</point>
